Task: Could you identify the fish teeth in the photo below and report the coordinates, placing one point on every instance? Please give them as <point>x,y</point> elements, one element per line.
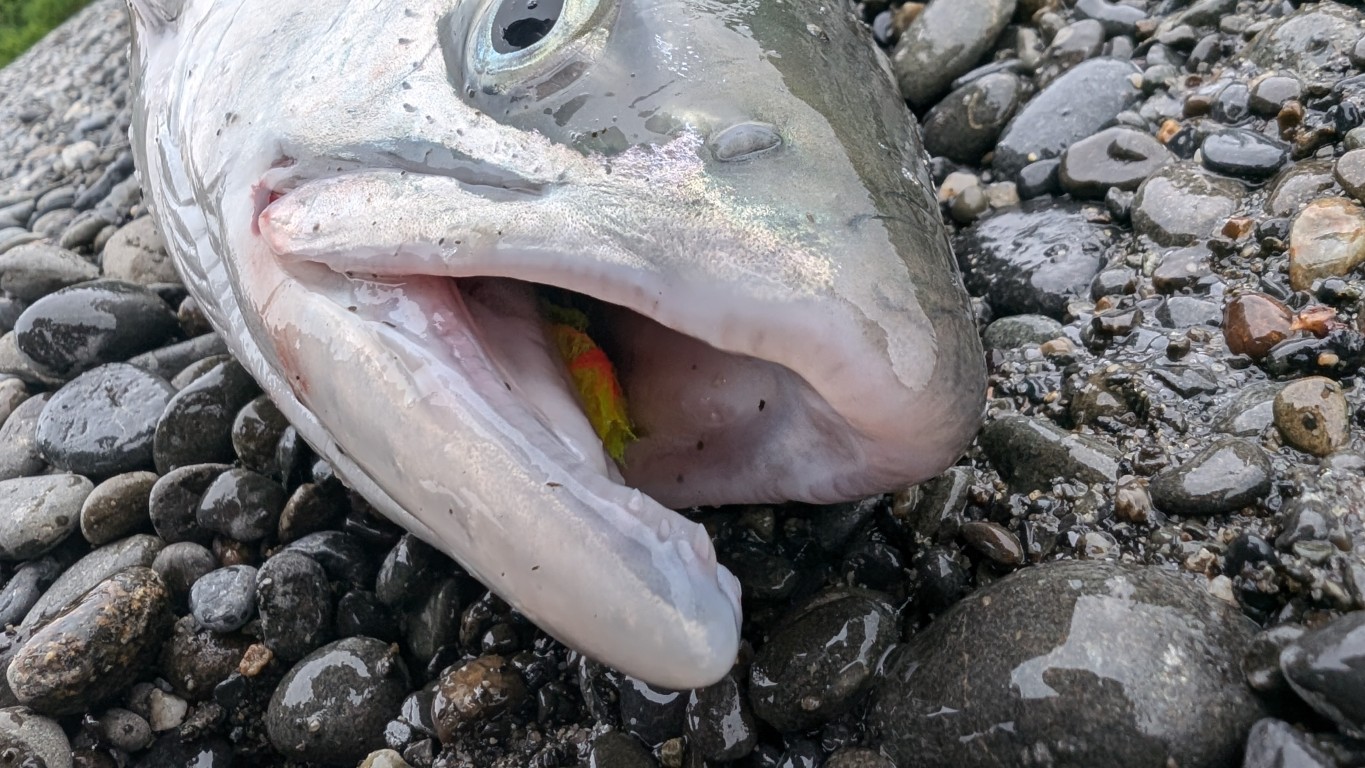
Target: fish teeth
<point>701,544</point>
<point>665,529</point>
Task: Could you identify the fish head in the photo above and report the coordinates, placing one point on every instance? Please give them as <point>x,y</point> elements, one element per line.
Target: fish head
<point>374,203</point>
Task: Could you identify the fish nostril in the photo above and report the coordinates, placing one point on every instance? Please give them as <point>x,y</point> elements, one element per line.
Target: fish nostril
<point>742,141</point>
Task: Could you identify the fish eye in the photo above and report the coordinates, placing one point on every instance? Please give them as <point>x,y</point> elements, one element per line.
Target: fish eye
<point>520,24</point>
<point>516,47</point>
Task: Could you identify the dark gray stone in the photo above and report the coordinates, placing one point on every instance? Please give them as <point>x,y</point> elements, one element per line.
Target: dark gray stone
<point>1119,158</point>
<point>1073,106</point>
<point>1181,204</point>
<point>965,124</point>
<point>101,423</point>
<point>1224,477</point>
<point>945,41</point>
<point>1103,663</point>
<point>1326,667</point>
<point>1030,452</point>
<point>818,663</point>
<point>1035,258</point>
<point>332,706</point>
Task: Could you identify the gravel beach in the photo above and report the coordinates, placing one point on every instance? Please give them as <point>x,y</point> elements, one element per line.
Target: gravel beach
<point>1153,554</point>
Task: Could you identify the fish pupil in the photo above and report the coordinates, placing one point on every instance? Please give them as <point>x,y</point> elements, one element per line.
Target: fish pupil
<point>521,24</point>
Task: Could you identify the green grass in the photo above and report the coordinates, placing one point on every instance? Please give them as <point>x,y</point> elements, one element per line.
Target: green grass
<point>23,22</point>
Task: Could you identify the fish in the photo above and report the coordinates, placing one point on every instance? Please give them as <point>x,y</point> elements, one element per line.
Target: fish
<point>369,201</point>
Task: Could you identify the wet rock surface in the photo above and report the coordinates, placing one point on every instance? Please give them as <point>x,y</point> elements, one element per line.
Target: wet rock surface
<point>1174,361</point>
<point>1048,674</point>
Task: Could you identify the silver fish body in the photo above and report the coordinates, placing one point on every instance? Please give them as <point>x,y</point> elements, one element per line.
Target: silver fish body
<point>365,196</point>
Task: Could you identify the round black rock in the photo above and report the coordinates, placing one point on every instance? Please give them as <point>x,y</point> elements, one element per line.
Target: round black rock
<point>1035,258</point>
<point>196,427</point>
<point>332,706</point>
<point>720,723</point>
<point>101,423</point>
<point>817,665</point>
<point>241,505</point>
<point>964,125</point>
<point>295,603</point>
<point>1326,667</point>
<point>103,321</point>
<point>174,502</point>
<point>1224,477</point>
<point>1244,153</point>
<point>1106,664</point>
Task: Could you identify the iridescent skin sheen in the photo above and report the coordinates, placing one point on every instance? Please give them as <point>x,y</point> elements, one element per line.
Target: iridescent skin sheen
<point>363,197</point>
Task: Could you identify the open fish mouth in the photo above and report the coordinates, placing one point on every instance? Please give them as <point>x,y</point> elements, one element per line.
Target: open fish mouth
<point>714,423</point>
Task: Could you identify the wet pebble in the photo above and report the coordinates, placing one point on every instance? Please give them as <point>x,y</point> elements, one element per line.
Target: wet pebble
<point>1297,185</point>
<point>295,604</point>
<point>95,648</point>
<point>182,564</point>
<point>1326,667</point>
<point>28,739</point>
<point>1224,477</point>
<point>332,705</point>
<point>1327,239</point>
<point>1117,18</point>
<point>1244,153</point>
<point>225,599</point>
<point>944,41</point>
<point>31,271</point>
<point>720,723</point>
<point>86,325</point>
<point>817,664</point>
<point>196,426</point>
<point>1312,414</point>
<point>652,715</point>
<point>241,505</point>
<point>1269,94</point>
<point>1349,171</point>
<point>964,125</point>
<point>256,432</point>
<point>994,541</point>
<point>1183,203</point>
<point>1072,107</point>
<point>1314,41</point>
<point>1099,661</point>
<point>25,586</point>
<point>1030,452</point>
<point>482,689</point>
<point>1019,330</point>
<point>102,422</point>
<point>1277,744</point>
<point>1033,259</point>
<point>1253,323</point>
<point>613,749</point>
<point>136,254</point>
<point>39,513</point>
<point>173,505</point>
<point>19,456</point>
<point>89,571</point>
<point>195,660</point>
<point>124,730</point>
<point>1120,158</point>
<point>117,507</point>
